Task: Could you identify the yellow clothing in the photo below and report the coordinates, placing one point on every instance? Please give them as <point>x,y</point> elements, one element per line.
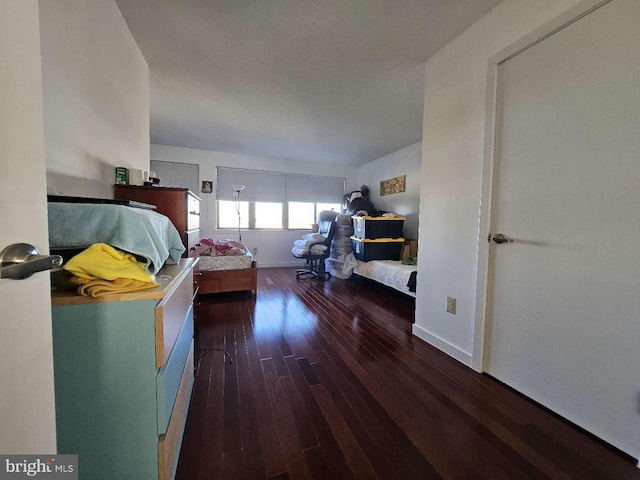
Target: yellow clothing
<point>100,288</point>
<point>102,261</point>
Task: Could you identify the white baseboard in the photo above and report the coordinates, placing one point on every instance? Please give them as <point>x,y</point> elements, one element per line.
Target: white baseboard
<point>440,344</point>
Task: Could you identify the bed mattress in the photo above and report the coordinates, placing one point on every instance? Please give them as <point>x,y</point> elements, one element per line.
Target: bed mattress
<point>391,273</point>
<point>221,262</point>
<point>144,233</point>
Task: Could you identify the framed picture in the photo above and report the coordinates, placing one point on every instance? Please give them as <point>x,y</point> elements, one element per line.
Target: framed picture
<point>207,186</point>
<point>393,185</point>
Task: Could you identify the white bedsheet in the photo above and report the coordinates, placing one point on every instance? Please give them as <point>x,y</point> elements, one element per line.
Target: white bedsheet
<point>391,273</point>
<point>222,262</point>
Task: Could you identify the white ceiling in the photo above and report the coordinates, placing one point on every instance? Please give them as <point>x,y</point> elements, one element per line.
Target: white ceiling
<point>337,81</point>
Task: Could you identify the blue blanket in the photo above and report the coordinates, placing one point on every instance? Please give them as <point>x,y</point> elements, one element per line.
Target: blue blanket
<point>144,233</point>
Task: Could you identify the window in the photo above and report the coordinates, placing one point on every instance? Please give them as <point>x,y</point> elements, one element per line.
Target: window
<point>336,207</point>
<point>272,200</point>
<point>268,215</point>
<point>228,214</point>
<point>303,214</point>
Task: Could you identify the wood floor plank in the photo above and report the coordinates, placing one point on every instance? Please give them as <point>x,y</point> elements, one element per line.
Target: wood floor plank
<point>328,382</point>
<point>306,434</point>
<point>514,456</point>
<point>325,438</point>
<point>395,445</point>
<point>321,470</point>
<point>354,455</point>
<point>441,404</point>
<point>232,464</point>
<point>209,463</point>
<point>358,428</point>
<point>431,423</point>
<point>231,421</point>
<point>309,375</point>
<point>292,449</point>
<point>253,461</point>
<point>268,433</point>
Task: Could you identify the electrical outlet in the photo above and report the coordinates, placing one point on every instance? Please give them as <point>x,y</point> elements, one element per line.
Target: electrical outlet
<point>451,305</point>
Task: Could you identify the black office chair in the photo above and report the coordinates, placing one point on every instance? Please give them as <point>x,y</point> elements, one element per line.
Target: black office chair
<point>315,261</point>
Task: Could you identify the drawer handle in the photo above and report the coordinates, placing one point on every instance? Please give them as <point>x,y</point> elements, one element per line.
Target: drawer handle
<point>194,213</point>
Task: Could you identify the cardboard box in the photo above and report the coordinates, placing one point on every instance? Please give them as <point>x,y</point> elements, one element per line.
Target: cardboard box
<point>413,248</point>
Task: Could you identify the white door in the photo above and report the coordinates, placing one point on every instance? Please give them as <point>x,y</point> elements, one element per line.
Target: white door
<point>564,303</point>
<point>27,416</point>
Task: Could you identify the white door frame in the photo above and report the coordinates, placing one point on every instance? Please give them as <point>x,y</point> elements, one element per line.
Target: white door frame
<point>483,287</point>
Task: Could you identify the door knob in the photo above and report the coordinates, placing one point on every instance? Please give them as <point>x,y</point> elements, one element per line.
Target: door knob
<point>501,238</point>
<point>21,260</point>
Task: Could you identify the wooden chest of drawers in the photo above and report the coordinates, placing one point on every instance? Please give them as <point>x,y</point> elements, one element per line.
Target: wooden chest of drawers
<point>123,377</point>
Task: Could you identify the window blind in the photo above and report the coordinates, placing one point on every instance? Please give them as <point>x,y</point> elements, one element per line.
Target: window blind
<point>278,187</point>
<point>311,188</point>
<point>259,186</point>
<point>182,175</point>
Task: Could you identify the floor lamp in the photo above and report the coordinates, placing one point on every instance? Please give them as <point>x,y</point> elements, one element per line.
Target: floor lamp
<point>238,189</point>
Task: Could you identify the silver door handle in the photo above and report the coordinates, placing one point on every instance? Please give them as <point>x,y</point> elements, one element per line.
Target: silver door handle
<point>21,260</point>
<point>501,238</point>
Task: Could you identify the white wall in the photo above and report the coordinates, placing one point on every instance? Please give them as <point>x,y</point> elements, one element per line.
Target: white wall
<point>96,96</point>
<point>407,162</point>
<point>452,153</point>
<point>274,247</point>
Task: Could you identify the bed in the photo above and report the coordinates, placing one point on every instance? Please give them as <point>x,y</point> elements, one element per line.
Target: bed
<point>224,266</point>
<point>391,273</point>
<point>144,233</point>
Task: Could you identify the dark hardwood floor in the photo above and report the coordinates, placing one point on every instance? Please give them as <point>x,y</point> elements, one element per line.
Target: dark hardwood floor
<point>327,382</point>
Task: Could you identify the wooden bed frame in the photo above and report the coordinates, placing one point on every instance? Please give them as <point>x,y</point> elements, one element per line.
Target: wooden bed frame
<point>217,281</point>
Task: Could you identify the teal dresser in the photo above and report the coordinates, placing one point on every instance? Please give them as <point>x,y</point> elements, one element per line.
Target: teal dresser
<point>123,367</point>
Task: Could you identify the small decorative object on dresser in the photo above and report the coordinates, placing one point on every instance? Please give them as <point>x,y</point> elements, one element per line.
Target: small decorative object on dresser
<point>122,176</point>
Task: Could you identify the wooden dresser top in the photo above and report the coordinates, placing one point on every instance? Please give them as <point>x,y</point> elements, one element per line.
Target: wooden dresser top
<point>168,278</point>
